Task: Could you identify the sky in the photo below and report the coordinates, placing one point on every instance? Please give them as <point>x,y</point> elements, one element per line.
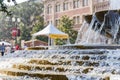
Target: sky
<point>115,4</point>
<point>18,1</point>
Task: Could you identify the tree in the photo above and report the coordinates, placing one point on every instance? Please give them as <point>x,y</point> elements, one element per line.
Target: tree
<point>66,25</point>
<point>5,27</point>
<point>4,7</point>
<point>27,13</point>
<point>24,33</point>
<point>39,25</point>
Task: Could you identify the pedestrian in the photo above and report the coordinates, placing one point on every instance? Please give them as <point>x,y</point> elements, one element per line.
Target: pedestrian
<point>8,49</point>
<point>12,49</point>
<point>17,47</point>
<point>2,49</point>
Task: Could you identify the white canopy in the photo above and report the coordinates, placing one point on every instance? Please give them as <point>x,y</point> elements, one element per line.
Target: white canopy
<point>5,43</point>
<point>52,32</point>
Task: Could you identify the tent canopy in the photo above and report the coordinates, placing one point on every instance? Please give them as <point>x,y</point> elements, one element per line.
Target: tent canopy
<point>52,32</point>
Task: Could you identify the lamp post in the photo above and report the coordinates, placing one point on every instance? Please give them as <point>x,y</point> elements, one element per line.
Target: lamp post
<point>16,20</point>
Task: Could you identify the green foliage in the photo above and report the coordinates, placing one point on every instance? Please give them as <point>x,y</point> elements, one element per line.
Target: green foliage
<point>4,7</point>
<point>60,41</point>
<point>5,28</point>
<point>39,25</point>
<point>5,32</point>
<point>25,33</point>
<point>27,13</point>
<point>66,25</point>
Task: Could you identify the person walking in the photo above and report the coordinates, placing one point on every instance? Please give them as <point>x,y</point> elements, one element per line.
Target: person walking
<point>2,49</point>
<point>8,49</point>
<point>17,47</point>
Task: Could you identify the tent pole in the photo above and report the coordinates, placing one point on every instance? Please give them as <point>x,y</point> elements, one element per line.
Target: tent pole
<point>33,40</point>
<point>68,41</point>
<point>48,41</point>
<point>54,42</point>
<point>51,42</point>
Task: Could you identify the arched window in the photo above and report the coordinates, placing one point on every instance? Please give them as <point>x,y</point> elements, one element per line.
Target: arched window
<point>76,3</point>
<point>49,9</point>
<point>76,19</point>
<point>49,21</point>
<point>65,5</point>
<point>85,2</point>
<point>57,22</point>
<point>57,7</point>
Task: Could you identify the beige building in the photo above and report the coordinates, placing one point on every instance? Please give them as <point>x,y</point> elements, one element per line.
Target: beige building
<point>75,9</point>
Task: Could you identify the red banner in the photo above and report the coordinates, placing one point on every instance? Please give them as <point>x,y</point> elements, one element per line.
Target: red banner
<point>15,32</point>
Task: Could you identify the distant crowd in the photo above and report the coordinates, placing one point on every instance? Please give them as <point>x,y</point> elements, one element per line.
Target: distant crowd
<point>6,49</point>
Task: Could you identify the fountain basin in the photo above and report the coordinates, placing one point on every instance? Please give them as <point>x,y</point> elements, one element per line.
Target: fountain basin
<point>67,64</point>
<point>93,46</point>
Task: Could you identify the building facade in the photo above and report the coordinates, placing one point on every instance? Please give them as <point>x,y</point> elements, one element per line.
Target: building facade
<point>101,5</point>
<point>75,9</point>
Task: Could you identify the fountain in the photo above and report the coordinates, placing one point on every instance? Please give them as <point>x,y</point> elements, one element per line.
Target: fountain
<point>100,30</point>
<point>107,25</point>
<point>93,57</point>
<point>92,64</point>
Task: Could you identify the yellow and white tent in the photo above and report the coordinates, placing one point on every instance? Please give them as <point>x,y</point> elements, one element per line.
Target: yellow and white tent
<point>52,32</point>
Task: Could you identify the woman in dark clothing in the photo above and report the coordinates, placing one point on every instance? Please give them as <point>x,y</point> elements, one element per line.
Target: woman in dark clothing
<point>2,49</point>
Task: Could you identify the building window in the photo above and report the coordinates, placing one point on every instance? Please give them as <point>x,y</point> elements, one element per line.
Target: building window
<point>65,6</point>
<point>76,3</point>
<point>101,0</point>
<point>76,19</point>
<point>57,9</point>
<point>48,22</point>
<point>57,22</point>
<point>85,2</point>
<point>49,9</point>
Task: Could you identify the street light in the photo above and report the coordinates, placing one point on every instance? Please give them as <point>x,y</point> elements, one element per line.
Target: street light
<point>14,1</point>
<point>16,20</point>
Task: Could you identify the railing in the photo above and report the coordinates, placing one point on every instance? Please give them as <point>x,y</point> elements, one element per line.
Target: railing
<point>101,6</point>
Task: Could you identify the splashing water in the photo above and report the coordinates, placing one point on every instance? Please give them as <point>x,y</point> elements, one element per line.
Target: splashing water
<point>87,35</point>
<point>70,64</point>
<point>101,30</point>
<point>93,64</point>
